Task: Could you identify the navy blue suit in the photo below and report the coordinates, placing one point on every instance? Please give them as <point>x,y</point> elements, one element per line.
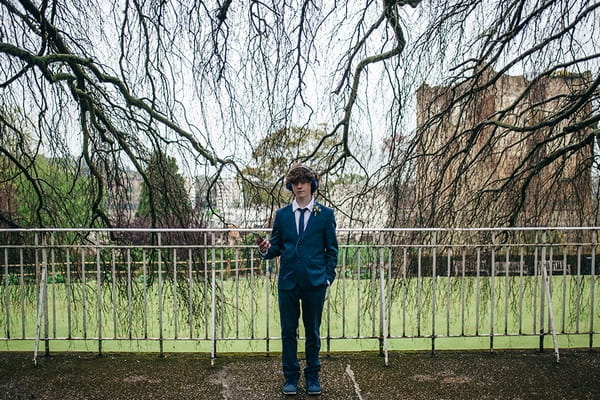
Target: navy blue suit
<point>307,266</point>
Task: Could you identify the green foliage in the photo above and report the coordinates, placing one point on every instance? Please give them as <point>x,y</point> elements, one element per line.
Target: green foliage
<point>49,193</point>
<point>164,200</point>
<point>273,156</point>
<point>349,179</point>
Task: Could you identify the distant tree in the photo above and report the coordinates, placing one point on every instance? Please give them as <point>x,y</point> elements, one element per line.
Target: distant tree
<point>262,180</point>
<point>164,200</point>
<point>62,202</point>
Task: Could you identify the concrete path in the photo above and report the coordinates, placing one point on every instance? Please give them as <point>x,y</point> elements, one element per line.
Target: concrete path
<point>361,376</point>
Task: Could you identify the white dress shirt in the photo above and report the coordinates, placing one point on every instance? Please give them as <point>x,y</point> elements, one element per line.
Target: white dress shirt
<point>296,210</point>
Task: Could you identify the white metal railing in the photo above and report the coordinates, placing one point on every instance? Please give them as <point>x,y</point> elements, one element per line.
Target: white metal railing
<point>209,286</point>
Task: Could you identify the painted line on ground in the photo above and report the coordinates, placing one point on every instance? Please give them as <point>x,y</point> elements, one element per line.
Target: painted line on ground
<point>222,379</point>
<point>350,373</point>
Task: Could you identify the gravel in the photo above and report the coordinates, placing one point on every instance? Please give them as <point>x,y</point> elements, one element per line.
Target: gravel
<point>362,376</point>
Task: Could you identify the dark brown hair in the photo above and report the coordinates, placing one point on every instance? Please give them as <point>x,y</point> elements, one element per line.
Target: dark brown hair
<point>302,173</point>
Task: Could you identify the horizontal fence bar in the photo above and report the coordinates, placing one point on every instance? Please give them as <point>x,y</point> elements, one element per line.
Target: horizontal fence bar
<point>209,290</point>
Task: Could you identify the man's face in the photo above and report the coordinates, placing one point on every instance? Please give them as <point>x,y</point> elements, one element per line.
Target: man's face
<point>301,189</point>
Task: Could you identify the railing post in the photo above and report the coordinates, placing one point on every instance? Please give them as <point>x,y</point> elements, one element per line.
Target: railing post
<point>344,283</point>
<point>145,292</point>
<point>22,294</point>
<point>592,285</point>
<point>129,297</point>
<point>175,294</point>
<point>113,290</point>
<point>448,288</point>
<point>382,296</point>
<point>536,263</point>
<point>328,319</point>
<point>83,285</point>
<point>53,277</point>
<point>492,291</point>
<point>42,311</point>
<point>542,270</point>
<point>546,288</point>
<point>404,288</point>
<point>190,294</point>
<point>213,308</point>
<point>462,291</point>
<point>69,294</point>
<point>99,297</point>
<point>6,293</point>
<point>477,289</point>
<point>433,288</point>
<point>268,306</point>
<point>160,298</point>
<point>252,294</point>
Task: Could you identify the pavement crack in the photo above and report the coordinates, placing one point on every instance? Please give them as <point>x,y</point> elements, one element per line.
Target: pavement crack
<point>350,374</point>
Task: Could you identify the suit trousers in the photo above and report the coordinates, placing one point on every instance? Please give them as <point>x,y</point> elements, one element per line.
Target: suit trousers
<point>291,302</point>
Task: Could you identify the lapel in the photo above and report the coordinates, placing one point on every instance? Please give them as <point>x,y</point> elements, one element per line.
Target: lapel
<point>291,219</point>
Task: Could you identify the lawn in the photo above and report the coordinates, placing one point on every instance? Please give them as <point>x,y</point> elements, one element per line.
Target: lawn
<point>152,313</point>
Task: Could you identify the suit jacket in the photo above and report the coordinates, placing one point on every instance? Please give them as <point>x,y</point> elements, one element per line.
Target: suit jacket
<point>308,260</point>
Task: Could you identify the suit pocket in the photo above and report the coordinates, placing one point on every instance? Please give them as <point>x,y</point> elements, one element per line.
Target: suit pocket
<point>318,260</point>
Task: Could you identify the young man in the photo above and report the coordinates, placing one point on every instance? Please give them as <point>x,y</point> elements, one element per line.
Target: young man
<point>304,235</point>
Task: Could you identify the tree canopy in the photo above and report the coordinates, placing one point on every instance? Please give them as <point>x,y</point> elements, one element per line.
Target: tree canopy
<point>164,200</point>
<point>112,83</point>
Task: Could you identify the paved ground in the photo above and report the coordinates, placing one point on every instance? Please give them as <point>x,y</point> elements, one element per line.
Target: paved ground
<point>363,376</point>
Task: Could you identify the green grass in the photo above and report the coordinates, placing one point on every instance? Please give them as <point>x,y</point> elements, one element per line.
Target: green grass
<point>461,314</point>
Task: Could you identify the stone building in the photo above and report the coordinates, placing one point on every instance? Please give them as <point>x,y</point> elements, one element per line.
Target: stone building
<point>494,154</point>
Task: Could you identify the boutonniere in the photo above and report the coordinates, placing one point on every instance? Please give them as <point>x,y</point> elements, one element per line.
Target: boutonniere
<point>316,210</point>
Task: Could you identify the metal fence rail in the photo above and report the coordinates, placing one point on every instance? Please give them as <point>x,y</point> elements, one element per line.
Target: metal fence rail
<point>209,286</point>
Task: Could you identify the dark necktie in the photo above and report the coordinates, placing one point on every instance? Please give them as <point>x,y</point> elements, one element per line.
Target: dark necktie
<point>301,222</point>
